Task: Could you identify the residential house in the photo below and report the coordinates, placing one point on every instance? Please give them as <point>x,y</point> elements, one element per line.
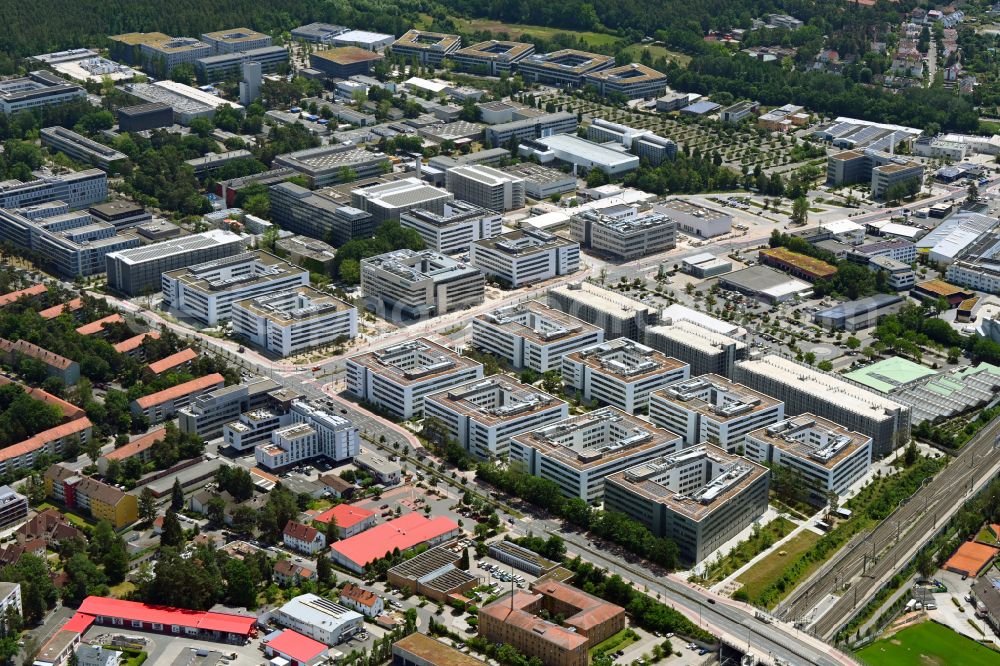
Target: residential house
<point>303,538</point>
<point>367,603</point>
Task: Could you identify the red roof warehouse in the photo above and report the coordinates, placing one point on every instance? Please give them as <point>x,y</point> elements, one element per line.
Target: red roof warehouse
<point>221,627</point>
<point>407,531</point>
<point>298,649</point>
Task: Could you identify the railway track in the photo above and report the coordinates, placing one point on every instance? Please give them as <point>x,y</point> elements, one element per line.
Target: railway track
<point>869,558</point>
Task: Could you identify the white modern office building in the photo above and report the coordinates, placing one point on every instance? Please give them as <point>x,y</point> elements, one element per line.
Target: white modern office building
<point>623,234</point>
<point>525,256</point>
<point>700,497</point>
<point>37,89</point>
<point>485,186</point>
<point>319,619</point>
<point>579,452</point>
<point>713,409</point>
<point>621,373</point>
<point>531,335</point>
<point>407,284</point>
<point>805,389</point>
<point>580,153</point>
<point>397,378</point>
<point>139,270</point>
<point>454,230</point>
<point>695,220</point>
<point>827,456</point>
<point>482,415</point>
<point>289,322</point>
<point>313,432</point>
<point>387,201</point>
<point>78,189</point>
<point>252,428</point>
<point>207,292</point>
<point>80,148</point>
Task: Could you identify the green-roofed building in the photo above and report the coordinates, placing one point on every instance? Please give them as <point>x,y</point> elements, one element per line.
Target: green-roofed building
<point>890,375</point>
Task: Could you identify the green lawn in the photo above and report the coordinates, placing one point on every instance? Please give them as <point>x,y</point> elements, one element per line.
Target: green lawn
<point>986,536</point>
<point>619,641</point>
<point>657,51</point>
<point>516,30</point>
<point>769,569</point>
<point>928,644</point>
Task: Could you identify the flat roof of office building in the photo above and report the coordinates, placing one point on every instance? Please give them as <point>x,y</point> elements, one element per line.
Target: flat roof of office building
<point>569,60</point>
<point>493,49</point>
<point>347,55</point>
<point>587,150</point>
<point>803,262</point>
<point>631,73</point>
<point>887,375</point>
<point>235,35</point>
<point>601,298</point>
<point>738,473</point>
<point>435,361</point>
<point>727,400</point>
<point>537,322</point>
<point>421,39</point>
<point>267,268</point>
<point>524,241</point>
<point>318,304</point>
<point>625,360</point>
<point>829,446</point>
<point>624,435</point>
<point>514,400</point>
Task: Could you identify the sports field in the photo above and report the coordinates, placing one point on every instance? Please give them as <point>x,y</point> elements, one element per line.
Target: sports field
<point>928,644</point>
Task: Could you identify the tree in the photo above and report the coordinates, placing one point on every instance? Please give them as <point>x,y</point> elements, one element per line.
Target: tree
<point>973,193</point>
<point>147,505</point>
<point>332,532</point>
<point>173,534</point>
<point>911,454</point>
<point>240,587</point>
<point>800,211</point>
<point>216,510</point>
<point>853,343</point>
<point>176,496</point>
<point>463,562</point>
<point>324,570</point>
<point>825,366</point>
<point>925,564</point>
<point>116,562</point>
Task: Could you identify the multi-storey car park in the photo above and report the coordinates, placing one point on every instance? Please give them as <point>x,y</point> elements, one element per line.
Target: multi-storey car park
<point>632,81</point>
<point>482,415</point>
<point>492,57</point>
<point>454,230</point>
<point>397,378</point>
<point>485,186</point>
<point>704,349</point>
<point>805,389</point>
<point>410,284</point>
<point>619,316</point>
<point>624,237</point>
<point>80,147</point>
<point>577,453</point>
<point>208,291</point>
<point>387,201</point>
<point>525,256</point>
<point>429,48</point>
<point>710,408</point>
<point>315,214</point>
<point>289,322</point>
<point>531,335</point>
<point>828,456</point>
<point>699,497</point>
<point>563,68</point>
<point>139,271</point>
<point>621,373</point>
<point>328,165</point>
<point>35,90</point>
